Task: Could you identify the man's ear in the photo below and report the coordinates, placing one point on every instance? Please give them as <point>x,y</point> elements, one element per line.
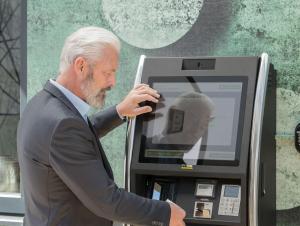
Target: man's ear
<point>80,67</point>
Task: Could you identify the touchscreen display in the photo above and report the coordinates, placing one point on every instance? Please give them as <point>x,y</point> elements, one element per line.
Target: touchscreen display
<point>194,120</point>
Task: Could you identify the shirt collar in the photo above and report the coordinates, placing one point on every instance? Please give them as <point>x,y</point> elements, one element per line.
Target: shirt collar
<point>78,103</point>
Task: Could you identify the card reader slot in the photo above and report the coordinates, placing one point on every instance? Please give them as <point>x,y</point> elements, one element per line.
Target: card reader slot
<point>161,189</point>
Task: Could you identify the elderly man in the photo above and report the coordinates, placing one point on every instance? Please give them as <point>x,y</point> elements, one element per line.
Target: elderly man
<point>66,177</point>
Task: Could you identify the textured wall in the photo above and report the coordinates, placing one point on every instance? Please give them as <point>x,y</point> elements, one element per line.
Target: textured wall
<point>154,27</point>
<point>222,27</point>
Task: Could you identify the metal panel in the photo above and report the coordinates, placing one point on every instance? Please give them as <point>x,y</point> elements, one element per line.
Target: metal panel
<point>256,134</point>
<point>131,127</point>
<point>11,221</point>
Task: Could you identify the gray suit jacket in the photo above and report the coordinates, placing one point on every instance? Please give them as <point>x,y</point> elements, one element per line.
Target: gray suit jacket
<point>66,177</point>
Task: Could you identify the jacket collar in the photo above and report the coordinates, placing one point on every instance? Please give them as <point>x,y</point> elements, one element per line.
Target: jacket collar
<point>52,89</point>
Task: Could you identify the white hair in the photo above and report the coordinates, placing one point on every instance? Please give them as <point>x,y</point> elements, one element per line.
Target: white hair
<point>87,42</point>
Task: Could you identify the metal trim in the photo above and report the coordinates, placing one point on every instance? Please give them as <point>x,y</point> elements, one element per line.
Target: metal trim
<point>12,204</point>
<point>131,127</point>
<point>256,132</point>
<point>11,220</point>
<point>23,67</point>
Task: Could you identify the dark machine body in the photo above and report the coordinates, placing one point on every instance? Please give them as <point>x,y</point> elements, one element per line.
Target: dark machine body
<point>226,174</point>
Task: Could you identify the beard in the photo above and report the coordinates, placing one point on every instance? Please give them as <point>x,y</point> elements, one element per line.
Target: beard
<point>93,96</point>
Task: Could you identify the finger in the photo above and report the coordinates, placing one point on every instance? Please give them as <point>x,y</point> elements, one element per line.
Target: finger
<point>145,97</point>
<point>142,85</point>
<point>183,214</point>
<point>149,91</point>
<point>180,224</point>
<point>142,110</point>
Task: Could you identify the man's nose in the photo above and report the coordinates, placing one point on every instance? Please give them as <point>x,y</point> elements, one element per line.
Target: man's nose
<point>112,81</point>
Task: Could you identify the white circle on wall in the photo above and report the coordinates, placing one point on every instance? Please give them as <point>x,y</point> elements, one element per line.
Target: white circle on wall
<point>153,23</point>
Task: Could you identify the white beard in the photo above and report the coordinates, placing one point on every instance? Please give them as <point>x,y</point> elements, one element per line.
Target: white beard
<point>95,98</point>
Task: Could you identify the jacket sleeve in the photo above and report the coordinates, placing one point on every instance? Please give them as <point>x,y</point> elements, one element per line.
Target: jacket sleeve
<point>74,158</point>
<point>105,121</point>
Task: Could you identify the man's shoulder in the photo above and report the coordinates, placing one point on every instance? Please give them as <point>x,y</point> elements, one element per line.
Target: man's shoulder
<point>47,109</point>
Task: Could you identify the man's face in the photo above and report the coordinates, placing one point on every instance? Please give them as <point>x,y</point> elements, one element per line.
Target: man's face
<point>100,78</point>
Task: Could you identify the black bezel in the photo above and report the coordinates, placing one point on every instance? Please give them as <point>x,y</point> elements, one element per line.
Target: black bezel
<point>194,79</point>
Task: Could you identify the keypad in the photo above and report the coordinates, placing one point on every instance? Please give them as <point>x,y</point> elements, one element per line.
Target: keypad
<point>230,206</point>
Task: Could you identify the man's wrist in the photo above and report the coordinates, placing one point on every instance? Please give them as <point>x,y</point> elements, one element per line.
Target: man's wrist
<point>119,113</point>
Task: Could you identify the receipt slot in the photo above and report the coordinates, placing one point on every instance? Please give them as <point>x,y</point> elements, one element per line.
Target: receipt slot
<point>209,144</point>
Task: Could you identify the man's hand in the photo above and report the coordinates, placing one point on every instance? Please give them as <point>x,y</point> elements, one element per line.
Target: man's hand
<point>177,215</point>
<point>129,107</point>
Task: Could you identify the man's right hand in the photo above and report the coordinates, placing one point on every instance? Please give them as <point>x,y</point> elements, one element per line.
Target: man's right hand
<point>129,107</point>
<point>177,215</point>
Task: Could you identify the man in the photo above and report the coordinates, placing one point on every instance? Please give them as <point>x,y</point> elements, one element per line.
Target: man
<point>66,177</point>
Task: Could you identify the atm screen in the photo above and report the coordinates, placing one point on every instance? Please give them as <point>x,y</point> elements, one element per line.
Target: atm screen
<point>197,121</point>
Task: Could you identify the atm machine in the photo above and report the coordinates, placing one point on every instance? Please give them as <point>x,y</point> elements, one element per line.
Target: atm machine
<point>209,144</point>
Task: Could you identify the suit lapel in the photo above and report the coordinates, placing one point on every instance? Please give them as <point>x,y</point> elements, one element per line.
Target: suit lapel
<point>105,161</point>
<point>57,93</point>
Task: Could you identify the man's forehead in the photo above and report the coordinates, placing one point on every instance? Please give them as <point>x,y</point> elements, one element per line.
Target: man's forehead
<point>110,66</point>
<point>109,61</point>
<point>110,52</point>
